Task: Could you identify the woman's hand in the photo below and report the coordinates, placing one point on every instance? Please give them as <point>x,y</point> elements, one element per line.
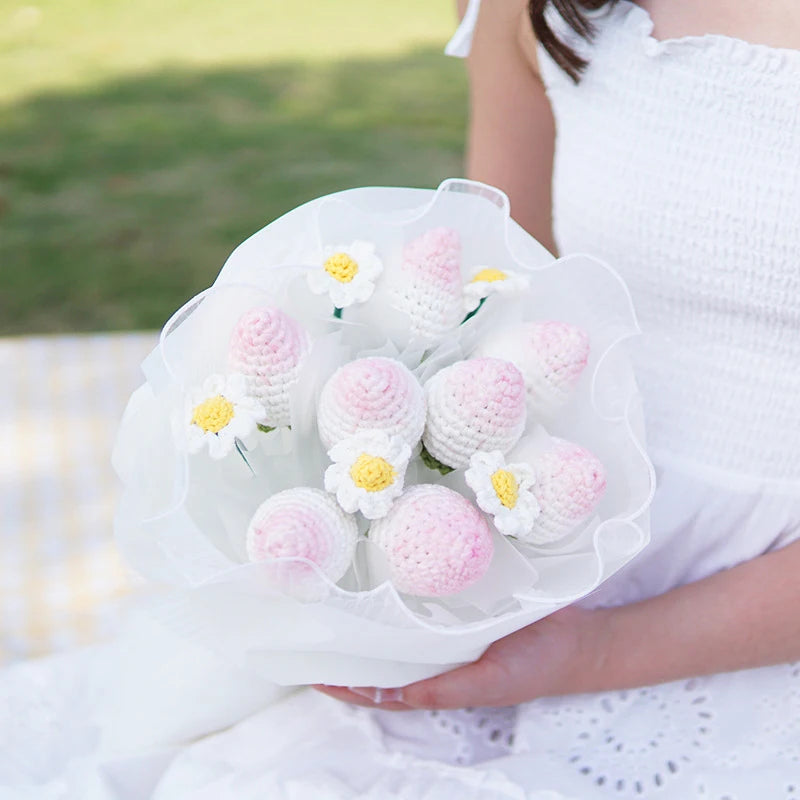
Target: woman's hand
<point>556,655</point>
<point>741,617</point>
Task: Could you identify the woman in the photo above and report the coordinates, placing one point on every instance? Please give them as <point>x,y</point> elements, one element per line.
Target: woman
<point>670,134</point>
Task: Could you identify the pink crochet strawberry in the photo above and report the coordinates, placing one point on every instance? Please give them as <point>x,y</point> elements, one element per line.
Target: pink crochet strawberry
<point>303,523</point>
<point>429,289</point>
<point>435,541</point>
<point>550,355</point>
<point>570,482</point>
<point>268,347</point>
<point>375,393</point>
<point>473,405</point>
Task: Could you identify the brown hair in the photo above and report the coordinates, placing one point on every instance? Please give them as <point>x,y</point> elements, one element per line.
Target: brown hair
<point>572,12</point>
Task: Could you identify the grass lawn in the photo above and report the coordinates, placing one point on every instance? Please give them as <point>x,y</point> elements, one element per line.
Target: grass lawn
<point>142,140</point>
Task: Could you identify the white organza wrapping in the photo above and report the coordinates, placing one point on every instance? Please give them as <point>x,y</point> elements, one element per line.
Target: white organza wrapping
<point>182,520</point>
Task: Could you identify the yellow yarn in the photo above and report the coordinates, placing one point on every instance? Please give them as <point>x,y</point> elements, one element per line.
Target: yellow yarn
<point>213,415</point>
<point>372,473</point>
<point>489,275</point>
<point>341,267</point>
<point>506,487</point>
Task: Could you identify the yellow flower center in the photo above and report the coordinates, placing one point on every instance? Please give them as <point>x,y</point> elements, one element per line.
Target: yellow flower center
<point>489,275</point>
<point>506,487</point>
<point>372,473</point>
<point>341,267</point>
<point>213,415</point>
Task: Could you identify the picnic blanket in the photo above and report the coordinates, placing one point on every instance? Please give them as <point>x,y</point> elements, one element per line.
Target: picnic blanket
<point>60,576</point>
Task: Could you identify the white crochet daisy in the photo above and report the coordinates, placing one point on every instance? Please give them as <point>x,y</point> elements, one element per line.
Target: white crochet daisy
<point>503,491</point>
<point>220,412</point>
<point>368,472</point>
<point>488,280</point>
<point>348,273</point>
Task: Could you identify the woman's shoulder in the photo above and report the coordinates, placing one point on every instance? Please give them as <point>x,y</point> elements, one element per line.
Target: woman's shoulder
<point>508,18</point>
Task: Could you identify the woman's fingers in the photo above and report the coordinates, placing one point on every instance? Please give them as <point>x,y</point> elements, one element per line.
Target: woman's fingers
<point>369,697</point>
<point>482,683</point>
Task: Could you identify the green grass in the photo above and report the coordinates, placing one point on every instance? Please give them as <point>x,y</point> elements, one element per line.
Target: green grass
<point>141,141</point>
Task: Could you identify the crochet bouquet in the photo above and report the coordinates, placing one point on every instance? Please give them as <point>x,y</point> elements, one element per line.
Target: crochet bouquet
<point>392,432</point>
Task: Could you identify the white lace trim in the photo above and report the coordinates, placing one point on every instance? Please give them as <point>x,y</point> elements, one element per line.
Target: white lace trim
<point>696,737</point>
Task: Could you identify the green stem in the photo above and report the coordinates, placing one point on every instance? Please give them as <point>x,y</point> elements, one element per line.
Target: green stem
<point>337,312</point>
<point>265,428</point>
<point>240,448</point>
<point>474,311</point>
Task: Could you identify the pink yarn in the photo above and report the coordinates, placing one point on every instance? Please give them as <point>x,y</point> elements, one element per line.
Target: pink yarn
<point>563,350</point>
<point>474,405</point>
<point>431,285</point>
<point>436,542</point>
<point>436,256</point>
<point>267,346</point>
<point>555,356</point>
<point>373,393</point>
<point>551,356</point>
<point>570,482</point>
<point>303,523</point>
<point>293,532</point>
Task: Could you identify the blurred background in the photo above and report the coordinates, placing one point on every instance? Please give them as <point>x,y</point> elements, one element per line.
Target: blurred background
<point>142,140</point>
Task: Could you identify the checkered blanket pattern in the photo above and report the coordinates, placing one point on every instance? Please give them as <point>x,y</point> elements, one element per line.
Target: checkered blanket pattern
<point>60,577</point>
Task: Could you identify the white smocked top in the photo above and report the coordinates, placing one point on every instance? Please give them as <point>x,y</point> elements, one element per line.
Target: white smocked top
<point>678,162</point>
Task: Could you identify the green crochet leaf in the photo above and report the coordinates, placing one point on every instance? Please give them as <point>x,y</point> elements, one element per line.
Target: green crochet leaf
<point>433,463</point>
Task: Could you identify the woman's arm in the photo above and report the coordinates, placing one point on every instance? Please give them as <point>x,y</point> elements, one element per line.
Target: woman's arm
<point>511,130</point>
<point>746,616</point>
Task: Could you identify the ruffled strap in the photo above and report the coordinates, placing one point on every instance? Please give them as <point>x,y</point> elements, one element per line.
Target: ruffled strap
<point>459,46</point>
